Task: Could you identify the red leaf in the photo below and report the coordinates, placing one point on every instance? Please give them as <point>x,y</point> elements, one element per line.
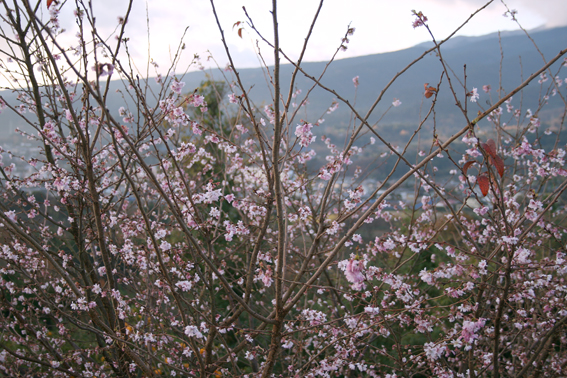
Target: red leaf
<point>490,148</point>
<point>49,2</point>
<point>499,164</point>
<point>240,32</point>
<point>467,166</point>
<point>429,91</point>
<point>483,183</point>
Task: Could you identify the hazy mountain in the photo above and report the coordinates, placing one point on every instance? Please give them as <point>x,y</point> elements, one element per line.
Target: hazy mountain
<point>483,56</point>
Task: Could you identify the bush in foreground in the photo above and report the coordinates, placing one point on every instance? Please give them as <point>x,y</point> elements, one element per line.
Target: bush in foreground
<point>188,233</point>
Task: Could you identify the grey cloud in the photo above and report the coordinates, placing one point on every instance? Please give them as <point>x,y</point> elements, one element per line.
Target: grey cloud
<point>552,11</point>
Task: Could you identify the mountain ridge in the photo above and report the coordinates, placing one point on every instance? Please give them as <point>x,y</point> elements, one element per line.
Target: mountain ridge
<point>481,55</point>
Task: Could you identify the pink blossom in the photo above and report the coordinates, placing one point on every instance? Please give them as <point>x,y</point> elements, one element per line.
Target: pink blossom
<point>303,132</point>
<point>232,98</point>
<point>325,175</point>
<point>355,81</point>
<point>474,95</point>
<point>11,215</point>
<point>334,106</point>
<point>266,277</point>
<point>470,329</point>
<point>353,273</point>
<point>184,285</point>
<point>420,20</point>
<point>372,310</point>
<point>198,100</point>
<point>314,317</point>
<point>212,195</point>
<point>357,238</point>
<point>333,229</point>
<point>193,331</point>
<point>433,351</point>
<point>427,277</point>
<point>177,86</point>
<point>510,240</point>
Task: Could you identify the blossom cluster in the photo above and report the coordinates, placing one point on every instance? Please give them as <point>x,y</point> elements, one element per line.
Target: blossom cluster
<point>183,236</point>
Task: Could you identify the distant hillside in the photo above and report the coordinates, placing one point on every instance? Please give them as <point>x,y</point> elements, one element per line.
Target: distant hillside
<point>482,56</point>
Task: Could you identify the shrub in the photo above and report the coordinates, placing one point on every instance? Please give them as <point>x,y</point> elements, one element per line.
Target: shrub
<point>158,239</point>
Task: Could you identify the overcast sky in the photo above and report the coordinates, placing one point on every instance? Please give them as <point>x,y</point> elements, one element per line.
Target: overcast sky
<point>381,25</point>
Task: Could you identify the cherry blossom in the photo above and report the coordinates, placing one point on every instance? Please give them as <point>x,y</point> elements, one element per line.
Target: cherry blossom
<point>183,229</point>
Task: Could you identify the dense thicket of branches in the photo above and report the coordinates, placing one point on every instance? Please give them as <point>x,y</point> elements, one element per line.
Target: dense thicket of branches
<point>187,234</point>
